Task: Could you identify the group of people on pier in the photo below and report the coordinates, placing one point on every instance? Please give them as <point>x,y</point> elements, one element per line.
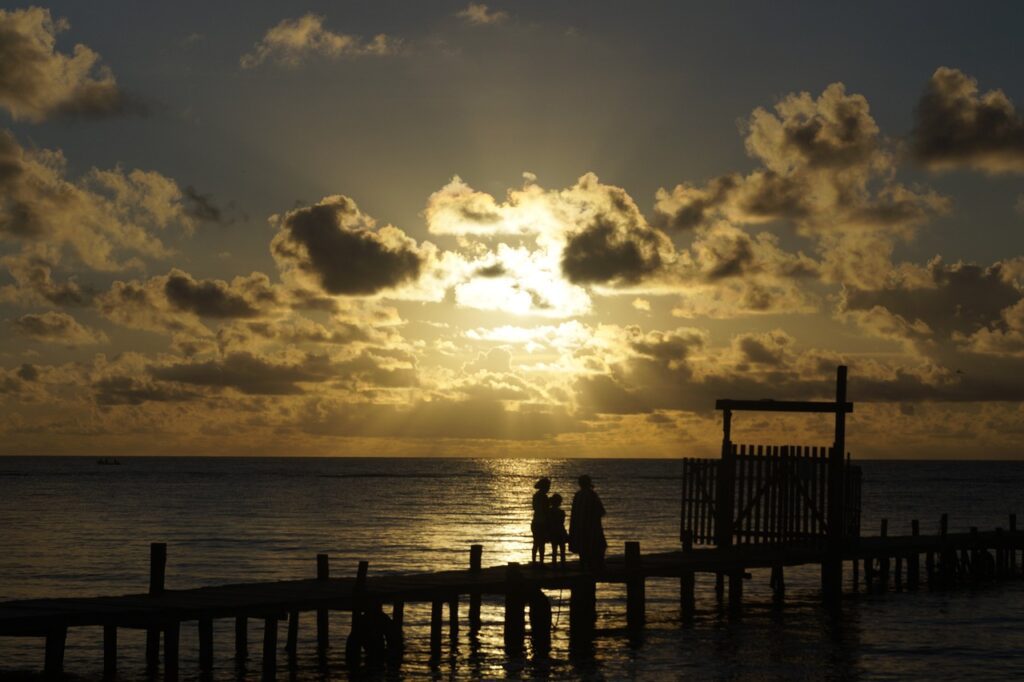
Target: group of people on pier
<point>585,536</point>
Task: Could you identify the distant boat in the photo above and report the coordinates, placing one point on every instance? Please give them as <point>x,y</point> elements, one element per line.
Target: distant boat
<point>108,461</point>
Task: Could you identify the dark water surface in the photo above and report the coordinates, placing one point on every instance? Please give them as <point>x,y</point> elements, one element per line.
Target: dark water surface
<point>71,528</point>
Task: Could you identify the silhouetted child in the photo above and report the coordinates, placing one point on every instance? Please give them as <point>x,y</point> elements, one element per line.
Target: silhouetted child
<point>556,528</point>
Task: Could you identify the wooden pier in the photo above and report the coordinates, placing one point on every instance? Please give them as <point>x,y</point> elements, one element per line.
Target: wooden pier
<point>878,563</point>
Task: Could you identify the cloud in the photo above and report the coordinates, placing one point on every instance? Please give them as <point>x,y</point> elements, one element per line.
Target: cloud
<point>58,327</point>
<point>34,283</point>
<point>244,297</point>
<point>956,127</point>
<point>249,374</point>
<point>824,167</point>
<point>105,218</point>
<point>336,247</point>
<point>1003,338</point>
<point>293,41</point>
<point>129,390</point>
<point>37,82</point>
<point>478,14</point>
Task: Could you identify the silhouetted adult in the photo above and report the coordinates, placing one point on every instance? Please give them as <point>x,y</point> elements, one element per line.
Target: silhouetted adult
<point>539,524</point>
<point>586,534</point>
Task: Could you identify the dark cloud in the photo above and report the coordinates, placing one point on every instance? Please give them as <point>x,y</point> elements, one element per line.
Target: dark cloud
<point>249,373</point>
<point>602,253</point>
<point>333,242</point>
<point>57,327</point>
<point>35,284</point>
<point>955,126</point>
<point>959,297</point>
<point>495,270</point>
<point>37,82</point>
<point>28,372</point>
<point>202,206</point>
<point>125,390</point>
<point>212,298</point>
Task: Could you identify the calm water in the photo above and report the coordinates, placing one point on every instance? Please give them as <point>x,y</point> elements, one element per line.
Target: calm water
<point>71,528</point>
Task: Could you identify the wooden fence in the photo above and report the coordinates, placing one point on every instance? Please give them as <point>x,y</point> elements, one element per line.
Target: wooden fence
<point>780,495</point>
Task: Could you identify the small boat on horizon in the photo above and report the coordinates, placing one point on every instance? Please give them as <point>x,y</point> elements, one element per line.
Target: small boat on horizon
<point>108,461</point>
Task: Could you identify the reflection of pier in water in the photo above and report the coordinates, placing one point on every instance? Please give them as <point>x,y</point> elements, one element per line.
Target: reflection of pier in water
<point>763,507</point>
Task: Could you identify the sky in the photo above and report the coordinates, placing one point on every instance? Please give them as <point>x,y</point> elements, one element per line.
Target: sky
<point>516,229</point>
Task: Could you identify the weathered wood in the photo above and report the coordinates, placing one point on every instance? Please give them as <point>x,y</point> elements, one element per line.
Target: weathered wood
<point>291,645</point>
<point>687,582</point>
<point>914,559</point>
<point>725,498</point>
<point>736,590</point>
<point>453,617</point>
<point>241,638</point>
<point>476,553</point>
<point>269,645</point>
<point>323,619</point>
<point>540,622</point>
<point>172,648</point>
<point>832,567</point>
<point>436,616</point>
<point>582,611</point>
<point>157,575</point>
<point>398,628</point>
<point>515,617</point>
<point>635,588</point>
<point>109,651</point>
<point>785,405</point>
<point>56,638</point>
<point>205,627</point>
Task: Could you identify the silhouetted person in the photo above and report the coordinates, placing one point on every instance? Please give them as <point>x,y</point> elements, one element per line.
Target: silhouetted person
<point>586,534</point>
<point>539,524</point>
<point>556,528</point>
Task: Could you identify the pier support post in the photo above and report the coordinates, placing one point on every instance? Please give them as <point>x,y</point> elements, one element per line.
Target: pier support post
<point>398,618</point>
<point>436,616</point>
<point>453,617</point>
<point>832,567</point>
<point>778,583</point>
<point>540,623</point>
<point>736,590</point>
<point>323,572</point>
<point>157,574</point>
<point>291,645</point>
<point>205,643</point>
<point>947,556</point>
<point>269,646</point>
<point>914,559</point>
<point>241,638</point>
<point>515,617</point>
<point>687,582</point>
<point>109,651</point>
<point>635,589</point>
<point>53,665</point>
<point>883,560</point>
<point>476,553</point>
<point>582,611</point>
<point>172,638</point>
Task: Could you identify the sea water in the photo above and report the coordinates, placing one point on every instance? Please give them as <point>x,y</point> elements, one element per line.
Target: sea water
<point>71,527</point>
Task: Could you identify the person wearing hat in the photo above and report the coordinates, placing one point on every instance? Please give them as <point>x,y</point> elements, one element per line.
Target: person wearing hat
<point>539,524</point>
<point>586,532</point>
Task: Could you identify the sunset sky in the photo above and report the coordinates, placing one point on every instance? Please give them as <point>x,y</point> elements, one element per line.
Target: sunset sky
<point>509,229</point>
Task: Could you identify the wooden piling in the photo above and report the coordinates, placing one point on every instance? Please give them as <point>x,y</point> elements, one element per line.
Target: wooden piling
<point>914,559</point>
<point>53,664</point>
<point>172,648</point>
<point>436,617</point>
<point>323,620</point>
<point>269,645</point>
<point>778,583</point>
<point>241,638</point>
<point>883,560</point>
<point>453,617</point>
<point>635,588</point>
<point>687,582</point>
<point>157,575</point>
<point>540,622</point>
<point>291,645</point>
<point>582,611</point>
<point>736,590</point>
<point>205,643</point>
<point>109,651</point>
<point>515,617</point>
<point>832,567</point>
<point>398,620</point>
<point>476,553</point>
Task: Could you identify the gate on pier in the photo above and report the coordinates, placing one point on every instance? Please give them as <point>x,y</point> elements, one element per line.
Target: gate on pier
<point>780,495</point>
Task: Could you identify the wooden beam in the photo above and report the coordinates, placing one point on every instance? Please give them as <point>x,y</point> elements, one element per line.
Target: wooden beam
<point>783,406</point>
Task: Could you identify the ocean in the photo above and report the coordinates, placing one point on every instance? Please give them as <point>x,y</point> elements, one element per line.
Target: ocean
<point>69,527</point>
